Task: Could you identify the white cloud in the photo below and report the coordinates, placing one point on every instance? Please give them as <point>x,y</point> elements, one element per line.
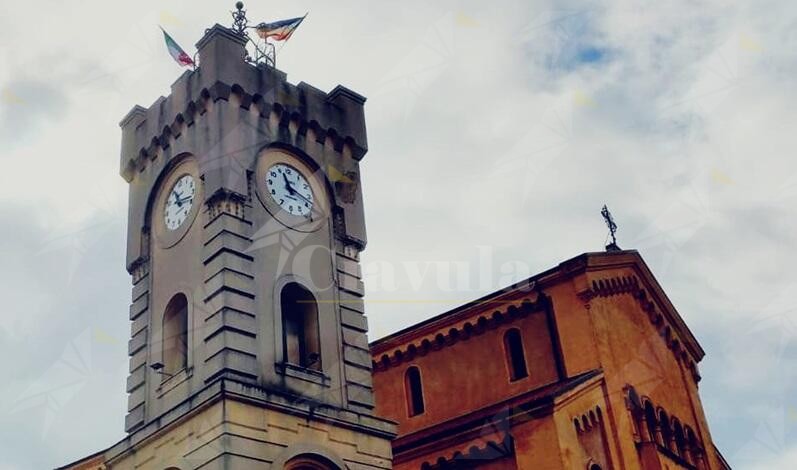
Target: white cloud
<point>508,127</point>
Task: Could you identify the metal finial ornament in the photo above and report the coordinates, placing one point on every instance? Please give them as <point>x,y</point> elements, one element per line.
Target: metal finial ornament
<point>607,217</point>
<point>265,54</point>
<point>239,20</point>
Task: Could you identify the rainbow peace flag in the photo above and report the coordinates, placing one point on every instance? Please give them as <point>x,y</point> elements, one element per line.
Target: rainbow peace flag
<point>279,30</point>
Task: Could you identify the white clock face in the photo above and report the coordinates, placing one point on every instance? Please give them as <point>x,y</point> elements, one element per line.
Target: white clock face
<point>289,189</point>
<point>179,202</point>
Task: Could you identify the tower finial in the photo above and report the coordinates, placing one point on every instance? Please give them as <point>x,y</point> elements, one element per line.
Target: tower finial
<point>239,20</point>
<point>607,217</point>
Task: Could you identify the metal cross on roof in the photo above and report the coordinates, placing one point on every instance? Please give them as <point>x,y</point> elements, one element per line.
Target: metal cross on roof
<point>607,217</point>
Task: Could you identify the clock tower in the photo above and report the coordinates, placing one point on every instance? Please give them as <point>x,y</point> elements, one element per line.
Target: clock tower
<point>248,340</point>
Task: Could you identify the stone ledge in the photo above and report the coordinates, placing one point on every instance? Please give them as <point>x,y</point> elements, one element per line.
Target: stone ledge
<point>228,389</point>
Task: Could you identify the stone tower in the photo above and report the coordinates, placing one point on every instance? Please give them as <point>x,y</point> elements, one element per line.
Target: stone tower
<point>248,343</point>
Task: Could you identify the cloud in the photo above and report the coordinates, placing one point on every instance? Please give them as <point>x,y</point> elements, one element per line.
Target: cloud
<point>25,106</point>
<point>505,127</point>
<point>62,337</point>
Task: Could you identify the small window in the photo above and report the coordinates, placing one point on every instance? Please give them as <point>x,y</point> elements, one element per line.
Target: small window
<point>650,417</point>
<point>414,391</point>
<point>300,334</point>
<point>515,356</point>
<point>175,335</point>
<point>666,430</point>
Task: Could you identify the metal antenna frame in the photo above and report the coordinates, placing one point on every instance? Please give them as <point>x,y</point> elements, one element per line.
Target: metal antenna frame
<point>265,54</point>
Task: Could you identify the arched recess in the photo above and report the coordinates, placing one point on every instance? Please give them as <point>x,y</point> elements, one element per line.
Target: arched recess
<point>155,233</point>
<point>175,335</point>
<point>310,462</point>
<point>515,355</point>
<point>652,422</point>
<point>666,430</point>
<point>308,456</point>
<point>680,439</point>
<point>301,338</point>
<point>164,174</point>
<point>413,390</point>
<point>306,159</point>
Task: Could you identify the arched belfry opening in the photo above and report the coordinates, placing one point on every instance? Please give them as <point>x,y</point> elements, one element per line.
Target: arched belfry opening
<point>300,331</point>
<point>175,334</point>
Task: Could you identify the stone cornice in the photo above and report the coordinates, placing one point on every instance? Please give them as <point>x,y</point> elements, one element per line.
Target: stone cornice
<point>450,333</point>
<point>642,286</point>
<point>492,449</point>
<point>227,389</point>
<point>267,106</point>
<point>630,285</point>
<point>630,259</point>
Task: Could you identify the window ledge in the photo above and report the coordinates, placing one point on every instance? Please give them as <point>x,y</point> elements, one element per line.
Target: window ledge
<point>168,383</point>
<point>302,373</point>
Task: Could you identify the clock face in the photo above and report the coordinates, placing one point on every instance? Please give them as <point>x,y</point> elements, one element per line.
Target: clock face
<point>289,189</point>
<point>179,202</point>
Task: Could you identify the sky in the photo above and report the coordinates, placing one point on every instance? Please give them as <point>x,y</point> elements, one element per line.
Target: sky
<point>497,130</point>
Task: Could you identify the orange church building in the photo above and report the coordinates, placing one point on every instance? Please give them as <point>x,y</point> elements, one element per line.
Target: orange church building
<point>585,366</point>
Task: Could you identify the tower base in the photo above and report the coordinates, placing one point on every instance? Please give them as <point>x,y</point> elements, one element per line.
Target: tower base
<point>244,427</point>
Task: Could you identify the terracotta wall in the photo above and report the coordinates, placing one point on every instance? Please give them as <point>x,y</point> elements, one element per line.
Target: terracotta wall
<point>467,375</point>
<point>618,336</point>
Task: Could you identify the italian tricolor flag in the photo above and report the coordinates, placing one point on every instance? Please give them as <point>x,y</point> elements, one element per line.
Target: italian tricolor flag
<point>177,52</point>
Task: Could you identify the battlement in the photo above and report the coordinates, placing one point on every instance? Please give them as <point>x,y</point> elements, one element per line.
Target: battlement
<point>224,75</point>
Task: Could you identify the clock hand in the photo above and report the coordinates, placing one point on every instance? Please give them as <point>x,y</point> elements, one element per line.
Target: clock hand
<point>287,183</point>
<point>305,199</point>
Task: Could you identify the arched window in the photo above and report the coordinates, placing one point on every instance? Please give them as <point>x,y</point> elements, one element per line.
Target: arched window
<point>515,356</point>
<point>414,391</point>
<point>680,440</point>
<point>666,430</point>
<point>175,335</point>
<point>693,444</point>
<point>300,335</point>
<point>652,420</point>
